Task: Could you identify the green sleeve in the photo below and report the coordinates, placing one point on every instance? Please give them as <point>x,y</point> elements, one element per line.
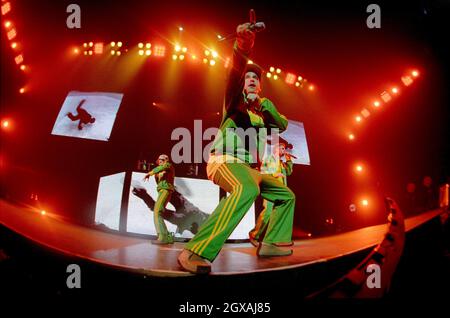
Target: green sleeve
<point>235,83</point>
<point>158,169</point>
<point>275,119</point>
<point>289,167</point>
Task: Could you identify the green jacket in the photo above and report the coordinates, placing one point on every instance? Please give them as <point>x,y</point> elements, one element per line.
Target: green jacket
<point>236,115</point>
<point>272,165</point>
<point>164,176</point>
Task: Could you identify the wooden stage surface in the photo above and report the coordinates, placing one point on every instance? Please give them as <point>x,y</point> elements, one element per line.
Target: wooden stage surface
<point>139,255</point>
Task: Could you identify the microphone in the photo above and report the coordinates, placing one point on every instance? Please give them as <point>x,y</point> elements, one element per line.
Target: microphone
<point>254,26</point>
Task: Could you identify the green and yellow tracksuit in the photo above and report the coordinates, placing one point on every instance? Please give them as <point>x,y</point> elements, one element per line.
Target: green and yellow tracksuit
<point>230,167</point>
<point>280,170</point>
<point>165,176</point>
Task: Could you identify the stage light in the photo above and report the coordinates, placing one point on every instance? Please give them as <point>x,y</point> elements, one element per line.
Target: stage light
<point>365,202</point>
<point>311,87</point>
<point>159,50</point>
<point>300,78</point>
<point>214,54</point>
<point>5,124</point>
<point>141,52</point>
<point>91,44</point>
<point>85,53</point>
<point>113,44</point>
<point>118,53</point>
<point>358,119</point>
<point>272,69</point>
<point>22,67</point>
<point>269,75</point>
<point>180,28</point>
<point>43,212</point>
<point>184,49</point>
<point>352,207</point>
<point>98,48</point>
<point>278,71</point>
<point>11,34</point>
<point>351,136</point>
<point>18,59</point>
<point>148,52</point>
<point>113,52</point>
<point>119,44</point>
<point>386,97</point>
<point>205,60</point>
<point>290,78</point>
<point>358,168</point>
<point>174,57</point>
<point>14,45</point>
<point>249,62</point>
<point>207,52</point>
<point>22,90</point>
<point>181,57</point>
<point>6,8</point>
<point>297,84</point>
<point>140,45</point>
<point>193,57</point>
<point>309,234</point>
<point>76,51</point>
<point>227,62</point>
<point>177,48</point>
<point>218,113</point>
<point>394,90</point>
<point>212,62</point>
<point>376,103</point>
<point>90,52</point>
<point>407,80</point>
<point>85,44</point>
<point>365,113</point>
<point>275,77</point>
<point>219,36</point>
<point>415,73</point>
<point>7,24</point>
<point>148,45</point>
<point>154,104</point>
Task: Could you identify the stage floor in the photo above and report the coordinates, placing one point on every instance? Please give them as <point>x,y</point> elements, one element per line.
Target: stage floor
<point>139,255</point>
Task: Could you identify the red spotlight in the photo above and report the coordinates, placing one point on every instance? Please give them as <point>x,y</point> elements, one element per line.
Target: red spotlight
<point>415,73</point>
<point>290,78</point>
<point>43,212</point>
<point>351,137</point>
<point>376,103</point>
<point>14,45</point>
<point>6,8</point>
<point>11,34</point>
<point>159,50</point>
<point>359,168</point>
<point>7,24</point>
<point>98,48</point>
<point>311,87</point>
<point>386,96</point>
<point>18,59</point>
<point>22,67</point>
<point>5,124</point>
<point>22,90</point>
<point>358,119</point>
<point>365,202</point>
<point>394,90</point>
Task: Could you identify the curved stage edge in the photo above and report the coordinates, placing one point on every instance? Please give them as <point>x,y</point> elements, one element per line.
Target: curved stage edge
<point>140,256</point>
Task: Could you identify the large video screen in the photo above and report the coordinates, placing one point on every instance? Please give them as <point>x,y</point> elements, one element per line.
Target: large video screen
<point>190,205</point>
<point>88,115</point>
<point>109,200</point>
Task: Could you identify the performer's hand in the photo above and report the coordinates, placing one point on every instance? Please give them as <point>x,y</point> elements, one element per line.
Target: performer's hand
<point>245,37</point>
<point>147,176</point>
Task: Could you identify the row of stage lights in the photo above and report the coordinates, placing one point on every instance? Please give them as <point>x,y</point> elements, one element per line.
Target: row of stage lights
<point>12,36</point>
<point>385,97</point>
<point>181,53</point>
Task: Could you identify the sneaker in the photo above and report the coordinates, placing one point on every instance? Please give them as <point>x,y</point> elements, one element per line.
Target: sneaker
<point>194,263</point>
<point>270,250</point>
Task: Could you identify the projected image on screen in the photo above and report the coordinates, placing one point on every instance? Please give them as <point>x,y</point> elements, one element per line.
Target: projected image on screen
<point>296,136</point>
<point>190,205</point>
<point>87,115</point>
<point>109,200</point>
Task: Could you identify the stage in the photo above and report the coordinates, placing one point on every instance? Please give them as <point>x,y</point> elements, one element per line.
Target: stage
<point>140,256</point>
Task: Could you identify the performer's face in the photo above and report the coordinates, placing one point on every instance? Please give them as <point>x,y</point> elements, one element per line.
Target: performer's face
<point>281,150</point>
<point>161,161</point>
<point>252,83</point>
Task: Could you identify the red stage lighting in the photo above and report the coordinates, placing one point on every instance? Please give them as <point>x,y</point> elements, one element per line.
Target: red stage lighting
<point>98,48</point>
<point>407,80</point>
<point>290,78</point>
<point>394,90</point>
<point>7,24</point>
<point>386,97</point>
<point>358,119</point>
<point>415,73</point>
<point>22,90</point>
<point>311,87</point>
<point>359,168</point>
<point>18,59</point>
<point>43,212</point>
<point>5,124</point>
<point>11,34</point>
<point>22,67</point>
<point>351,136</point>
<point>14,45</point>
<point>365,202</point>
<point>376,103</point>
<point>6,8</point>
<point>159,50</point>
<point>227,62</point>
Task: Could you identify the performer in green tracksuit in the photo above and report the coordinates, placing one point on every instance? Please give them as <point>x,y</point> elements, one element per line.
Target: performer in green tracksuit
<point>274,166</point>
<point>164,174</point>
<point>233,165</point>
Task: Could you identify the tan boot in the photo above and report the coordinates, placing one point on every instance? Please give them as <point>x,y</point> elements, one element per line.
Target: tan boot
<point>270,250</point>
<point>194,263</point>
